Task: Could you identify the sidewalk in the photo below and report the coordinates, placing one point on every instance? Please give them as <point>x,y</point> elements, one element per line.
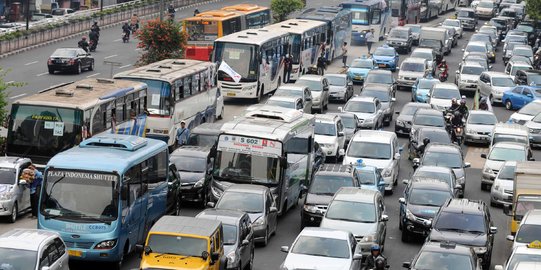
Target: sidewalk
<point>353,52</point>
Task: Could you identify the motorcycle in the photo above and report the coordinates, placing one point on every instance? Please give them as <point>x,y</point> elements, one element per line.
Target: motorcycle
<point>92,45</point>
<point>125,37</point>
<point>443,75</point>
<point>458,134</point>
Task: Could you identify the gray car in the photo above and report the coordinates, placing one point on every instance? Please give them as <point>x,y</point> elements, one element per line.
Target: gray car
<point>257,202</point>
<point>385,96</point>
<point>369,111</point>
<point>319,86</point>
<point>401,39</point>
<point>194,167</point>
<point>351,124</point>
<point>238,236</point>
<point>14,193</point>
<point>479,126</point>
<point>340,87</point>
<point>403,121</point>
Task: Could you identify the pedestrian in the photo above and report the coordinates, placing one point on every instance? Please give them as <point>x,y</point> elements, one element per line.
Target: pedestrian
<point>369,39</point>
<point>344,53</point>
<point>323,49</point>
<point>321,65</point>
<point>288,66</point>
<point>183,134</point>
<point>35,187</point>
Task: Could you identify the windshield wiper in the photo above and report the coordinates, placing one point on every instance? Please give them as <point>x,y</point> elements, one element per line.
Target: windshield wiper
<point>171,253</point>
<point>350,220</point>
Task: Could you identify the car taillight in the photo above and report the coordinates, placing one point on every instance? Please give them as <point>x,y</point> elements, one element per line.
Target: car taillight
<point>72,61</point>
<point>50,61</point>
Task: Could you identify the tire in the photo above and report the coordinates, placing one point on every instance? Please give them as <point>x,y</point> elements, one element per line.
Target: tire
<point>91,67</point>
<point>118,265</point>
<point>406,237</point>
<point>51,71</point>
<point>78,70</point>
<point>493,203</point>
<point>483,186</point>
<point>266,239</point>
<point>508,105</point>
<point>14,213</point>
<point>205,199</point>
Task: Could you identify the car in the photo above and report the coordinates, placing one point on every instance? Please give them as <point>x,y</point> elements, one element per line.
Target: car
<point>386,57</point>
<point>442,174</point>
<point>468,75</point>
<point>329,134</point>
<point>360,211</point>
<point>501,192</point>
<point>194,165</point>
<point>438,46</point>
<point>403,122</point>
<point>62,11</point>
<point>429,55</point>
<point>479,47</point>
<point>359,67</point>
<point>386,98</point>
<point>327,181</point>
<point>493,84</point>
<point>479,126</point>
<point>410,70</point>
<point>529,30</point>
<point>492,33</point>
<point>502,26</point>
<point>33,249</point>
<point>526,257</point>
<point>452,33</point>
<point>15,194</point>
<point>370,177</point>
<point>350,122</point>
<point>441,95</point>
<point>40,16</point>
<point>521,58</point>
<point>380,76</point>
<point>534,126</point>
<point>237,234</point>
<point>435,134</point>
<point>70,59</point>
<point>257,201</point>
<point>426,118</point>
<point>510,132</point>
<point>421,88</point>
<point>368,110</point>
<point>445,155</point>
<point>520,96</point>
<point>379,149</point>
<point>296,91</point>
<point>509,12</point>
<point>419,204</point>
<point>415,32</point>
<point>528,230</point>
<point>526,113</point>
<point>466,222</point>
<point>498,154</point>
<point>523,50</point>
<point>325,248</point>
<point>528,77</point>
<point>480,58</point>
<point>508,50</point>
<point>467,18</point>
<point>446,255</point>
<point>485,9</point>
<point>516,36</point>
<point>484,37</point>
<point>295,103</point>
<point>455,23</point>
<point>319,87</point>
<point>205,135</point>
<point>340,86</point>
<point>400,38</point>
<point>519,9</point>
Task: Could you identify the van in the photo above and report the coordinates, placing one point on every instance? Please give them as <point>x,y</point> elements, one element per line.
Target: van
<point>438,34</point>
<point>184,243</point>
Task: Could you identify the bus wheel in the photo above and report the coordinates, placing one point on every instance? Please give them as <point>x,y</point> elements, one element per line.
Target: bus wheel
<point>118,265</point>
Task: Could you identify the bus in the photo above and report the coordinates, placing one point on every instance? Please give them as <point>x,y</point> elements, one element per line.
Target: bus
<point>256,55</point>
<point>178,90</point>
<point>366,15</point>
<point>103,196</point>
<point>270,146</point>
<point>338,23</point>
<point>406,11</point>
<point>447,5</point>
<point>60,117</point>
<point>306,39</point>
<point>429,9</point>
<point>254,16</point>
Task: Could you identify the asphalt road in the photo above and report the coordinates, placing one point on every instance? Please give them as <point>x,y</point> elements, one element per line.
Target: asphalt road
<point>25,68</point>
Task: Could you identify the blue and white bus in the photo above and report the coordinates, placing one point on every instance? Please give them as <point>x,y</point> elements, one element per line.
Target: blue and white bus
<point>103,196</point>
<point>366,15</point>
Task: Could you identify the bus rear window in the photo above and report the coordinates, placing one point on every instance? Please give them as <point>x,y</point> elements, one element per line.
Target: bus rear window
<point>202,30</point>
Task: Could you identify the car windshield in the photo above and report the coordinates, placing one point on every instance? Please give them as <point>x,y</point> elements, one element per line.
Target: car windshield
<point>532,108</point>
<point>435,136</point>
<point>360,107</point>
<point>202,139</point>
<point>445,93</point>
<point>401,34</point>
<point>460,222</point>
<point>414,67</point>
<point>444,260</point>
<point>466,14</point>
<point>17,259</point>
<point>520,58</point>
<point>321,246</point>
<point>524,28</point>
<point>483,38</point>
<point>289,92</point>
<point>409,110</point>
<point>177,245</point>
<point>230,234</point>
<point>503,82</point>
<point>336,80</point>
<point>369,150</point>
<point>537,118</point>
<point>517,258</point>
<point>379,78</point>
<point>423,55</point>
<point>507,154</point>
<point>366,177</point>
<point>349,121</point>
<point>523,52</point>
<point>311,84</point>
<point>329,184</point>
<point>444,177</point>
<point>7,176</point>
<point>430,43</point>
<point>482,119</point>
<point>351,211</point>
<point>362,63</point>
<point>502,137</point>
<point>383,96</point>
<point>452,23</point>
<point>325,129</point>
<point>476,48</point>
<point>442,159</point>
<point>472,70</point>
<point>428,120</point>
<point>64,53</point>
<point>528,233</point>
<point>428,197</point>
<point>517,68</point>
<point>507,173</point>
<point>281,103</point>
<point>384,52</point>
<point>486,4</point>
<point>241,201</point>
<point>189,163</point>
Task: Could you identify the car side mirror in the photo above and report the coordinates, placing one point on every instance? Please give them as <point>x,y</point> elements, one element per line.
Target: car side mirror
<point>467,164</point>
<point>393,99</point>
<point>350,83</point>
<point>147,250</point>
<point>510,238</point>
<point>245,242</point>
<point>402,200</point>
<point>457,72</point>
<point>493,230</point>
<point>462,50</point>
<point>341,152</point>
<point>139,248</point>
<point>341,134</point>
<point>483,155</point>
<point>397,112</point>
<point>406,264</point>
<point>357,257</point>
<point>273,209</point>
<point>211,204</point>
<point>397,156</point>
<point>384,218</point>
<point>340,109</point>
<point>284,249</point>
<point>215,256</point>
<point>23,182</point>
<point>397,68</point>
<point>498,267</point>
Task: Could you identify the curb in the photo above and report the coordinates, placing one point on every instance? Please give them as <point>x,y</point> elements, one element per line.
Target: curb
<point>101,27</point>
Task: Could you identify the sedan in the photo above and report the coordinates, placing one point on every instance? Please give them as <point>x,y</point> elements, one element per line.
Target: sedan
<point>370,177</point>
<point>498,154</point>
<point>359,67</point>
<point>479,126</point>
<point>385,96</point>
<point>368,110</point>
<point>386,57</point>
<point>441,95</point>
<point>520,96</point>
<point>526,114</point>
<point>340,87</point>
<point>70,59</point>
<point>402,124</point>
<point>319,86</point>
<point>434,134</point>
<point>501,192</point>
<point>534,126</point>
<point>427,118</point>
<point>381,77</point>
<point>456,24</point>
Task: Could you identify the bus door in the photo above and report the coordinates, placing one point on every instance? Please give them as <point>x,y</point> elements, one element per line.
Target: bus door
<point>132,197</point>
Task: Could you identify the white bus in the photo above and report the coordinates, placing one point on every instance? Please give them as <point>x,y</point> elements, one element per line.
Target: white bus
<point>306,39</point>
<point>60,117</point>
<point>178,90</point>
<point>257,56</point>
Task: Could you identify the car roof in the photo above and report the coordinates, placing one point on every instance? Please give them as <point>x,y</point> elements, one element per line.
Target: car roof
<point>532,217</point>
<point>414,60</point>
<point>355,194</point>
<point>375,136</point>
<point>363,98</point>
<point>231,217</point>
<point>423,50</point>
<point>291,86</point>
<point>380,71</point>
<point>25,239</point>
<point>284,98</point>
<point>428,111</point>
<point>185,225</point>
<point>376,87</point>
<point>430,168</point>
<point>429,129</point>
<point>192,151</point>
<point>335,75</point>
<point>311,77</point>
<point>429,183</point>
<point>325,233</point>
<point>471,63</point>
<point>418,105</point>
<point>480,112</point>
<point>12,162</point>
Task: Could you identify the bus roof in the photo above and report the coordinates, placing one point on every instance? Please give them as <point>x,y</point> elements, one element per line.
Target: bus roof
<point>361,3</point>
<point>325,14</point>
<point>253,36</point>
<point>166,70</point>
<point>214,15</point>
<point>245,8</point>
<point>186,225</point>
<point>82,94</point>
<point>296,26</point>
<point>107,153</point>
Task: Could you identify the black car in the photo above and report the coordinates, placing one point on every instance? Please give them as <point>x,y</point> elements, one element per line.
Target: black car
<point>385,95</point>
<point>401,39</point>
<point>402,125</point>
<point>465,222</point>
<point>467,18</point>
<point>444,255</point>
<point>528,77</point>
<point>527,28</point>
<point>421,201</point>
<point>327,180</point>
<point>427,118</point>
<point>434,134</point>
<point>194,166</point>
<point>70,59</point>
<point>443,174</point>
<point>173,191</point>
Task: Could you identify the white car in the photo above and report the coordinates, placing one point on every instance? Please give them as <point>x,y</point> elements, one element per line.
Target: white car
<point>479,126</point>
<point>492,85</point>
<point>330,135</point>
<point>322,248</point>
<point>521,257</point>
<point>441,94</point>
<point>467,76</point>
<point>501,192</point>
<point>455,23</point>
<point>529,229</point>
<point>429,55</point>
<point>369,111</point>
<point>498,154</point>
<point>526,113</point>
<point>512,68</point>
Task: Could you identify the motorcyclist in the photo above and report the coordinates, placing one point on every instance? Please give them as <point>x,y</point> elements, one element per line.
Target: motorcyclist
<point>95,28</point>
<point>462,108</point>
<point>443,65</point>
<point>454,105</point>
<point>83,44</point>
<point>421,148</point>
<point>483,104</point>
<point>134,22</point>
<point>171,11</point>
<point>375,253</point>
<point>93,36</point>
<point>126,29</point>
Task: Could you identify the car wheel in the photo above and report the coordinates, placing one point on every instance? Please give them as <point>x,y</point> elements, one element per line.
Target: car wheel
<point>266,239</point>
<point>508,105</point>
<point>405,235</point>
<point>78,70</point>
<point>51,71</point>
<point>483,186</point>
<point>205,199</point>
<point>91,67</point>
<point>493,203</point>
<point>14,213</point>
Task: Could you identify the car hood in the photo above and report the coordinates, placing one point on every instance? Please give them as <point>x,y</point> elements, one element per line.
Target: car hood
<point>362,71</point>
<point>480,128</point>
<point>5,188</point>
<point>336,88</point>
<point>312,198</point>
<point>356,228</point>
<point>505,184</point>
<point>467,239</point>
<point>493,164</point>
<point>363,116</point>
<point>471,77</point>
<point>301,261</point>
<point>414,74</point>
<point>316,94</point>
<point>191,177</point>
<point>478,8</point>
<point>405,118</point>
<point>325,139</point>
<point>426,212</point>
<point>378,163</point>
<point>382,58</point>
<point>349,132</point>
<point>255,216</point>
<point>521,117</point>
<point>501,89</point>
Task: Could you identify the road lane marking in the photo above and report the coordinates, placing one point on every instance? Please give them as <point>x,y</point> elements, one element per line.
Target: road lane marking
<point>31,63</point>
<point>125,66</point>
<point>110,56</point>
<point>17,96</point>
<point>10,82</point>
<point>41,74</point>
<point>95,74</point>
<point>473,156</point>
<point>117,40</point>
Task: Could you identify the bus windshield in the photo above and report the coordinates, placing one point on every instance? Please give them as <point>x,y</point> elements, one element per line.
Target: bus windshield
<point>159,93</point>
<point>39,132</point>
<point>62,198</point>
<point>201,30</point>
<point>360,16</point>
<point>240,57</point>
<point>247,168</point>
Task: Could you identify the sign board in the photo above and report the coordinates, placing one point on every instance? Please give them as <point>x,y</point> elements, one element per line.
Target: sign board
<point>249,145</point>
<point>83,175</point>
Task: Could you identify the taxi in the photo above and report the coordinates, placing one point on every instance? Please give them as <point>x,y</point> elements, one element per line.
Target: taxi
<point>523,257</point>
<point>421,88</point>
<point>359,67</point>
<point>386,57</point>
<point>370,177</point>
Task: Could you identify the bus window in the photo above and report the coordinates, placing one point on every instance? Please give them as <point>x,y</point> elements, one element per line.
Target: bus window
<point>187,86</point>
<point>133,179</point>
<point>97,123</point>
<point>231,26</point>
<point>201,30</point>
<point>195,84</point>
<point>157,169</point>
<point>120,110</point>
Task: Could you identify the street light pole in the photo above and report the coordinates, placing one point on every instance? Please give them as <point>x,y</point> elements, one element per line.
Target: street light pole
<point>101,10</point>
<point>27,14</point>
<point>161,9</point>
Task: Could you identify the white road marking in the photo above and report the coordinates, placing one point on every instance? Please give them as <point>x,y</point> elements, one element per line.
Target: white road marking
<point>117,40</point>
<point>17,96</point>
<point>95,74</point>
<point>110,56</point>
<point>41,74</point>
<point>125,66</point>
<point>10,82</point>
<point>31,63</point>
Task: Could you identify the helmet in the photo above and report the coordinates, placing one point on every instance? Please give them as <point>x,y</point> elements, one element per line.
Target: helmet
<point>443,61</point>
<point>375,247</point>
<point>462,101</point>
<point>453,101</point>
<point>426,141</point>
<point>483,100</point>
<point>84,37</point>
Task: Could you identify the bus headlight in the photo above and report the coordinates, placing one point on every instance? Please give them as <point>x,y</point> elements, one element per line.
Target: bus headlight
<point>249,87</point>
<point>107,244</point>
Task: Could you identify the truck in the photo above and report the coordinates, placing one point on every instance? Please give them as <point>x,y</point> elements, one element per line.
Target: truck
<point>526,192</point>
<point>432,33</point>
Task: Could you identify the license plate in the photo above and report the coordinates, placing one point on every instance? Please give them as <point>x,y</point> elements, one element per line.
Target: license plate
<point>382,65</point>
<point>231,94</point>
<point>75,253</point>
<point>357,77</point>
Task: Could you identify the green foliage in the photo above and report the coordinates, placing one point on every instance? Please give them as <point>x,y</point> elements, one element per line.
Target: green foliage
<point>160,40</point>
<point>533,9</point>
<point>282,8</point>
<point>4,91</point>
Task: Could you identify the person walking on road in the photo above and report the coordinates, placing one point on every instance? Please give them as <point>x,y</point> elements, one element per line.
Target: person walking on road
<point>321,64</point>
<point>344,53</point>
<point>369,40</point>
<point>183,133</point>
<point>288,66</point>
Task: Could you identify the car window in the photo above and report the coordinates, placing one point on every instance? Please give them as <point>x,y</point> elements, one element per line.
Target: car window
<point>60,246</point>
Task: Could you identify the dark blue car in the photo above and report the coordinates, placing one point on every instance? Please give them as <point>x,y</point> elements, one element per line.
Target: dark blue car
<point>519,96</point>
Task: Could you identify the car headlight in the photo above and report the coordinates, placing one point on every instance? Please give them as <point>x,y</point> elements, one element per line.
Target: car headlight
<point>480,250</point>
<point>488,170</point>
<point>199,183</point>
<point>533,130</point>
<point>410,215</point>
<point>400,77</point>
<point>369,238</point>
<point>316,98</point>
<point>232,259</point>
<point>461,180</point>
<point>108,244</point>
<point>311,208</point>
<point>399,123</point>
<point>470,131</point>
<point>259,222</point>
<point>6,195</point>
<point>216,192</point>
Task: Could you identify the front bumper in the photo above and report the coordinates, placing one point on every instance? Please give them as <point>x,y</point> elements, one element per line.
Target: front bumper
<point>421,98</point>
<point>357,78</point>
<point>329,151</point>
<point>405,83</point>
<point>337,95</point>
<point>389,183</point>
<point>317,104</point>
<point>398,46</point>
<point>310,219</point>
<point>259,232</point>
<point>467,86</point>
<point>369,125</point>
<point>477,138</point>
<point>386,64</point>
<point>415,226</point>
<point>191,194</point>
<point>501,197</point>
<point>6,207</point>
<point>62,67</point>
<point>404,130</point>
<point>497,97</point>
<point>484,15</point>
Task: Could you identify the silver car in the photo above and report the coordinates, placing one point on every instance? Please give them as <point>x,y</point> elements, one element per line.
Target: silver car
<point>319,86</point>
<point>340,87</point>
<point>369,111</point>
<point>494,84</point>
<point>296,91</point>
<point>534,126</point>
<point>479,126</point>
<point>501,192</point>
<point>14,193</point>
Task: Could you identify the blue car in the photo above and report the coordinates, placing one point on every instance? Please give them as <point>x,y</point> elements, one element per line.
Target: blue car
<point>421,87</point>
<point>359,68</point>
<point>370,177</point>
<point>519,96</point>
<point>386,57</point>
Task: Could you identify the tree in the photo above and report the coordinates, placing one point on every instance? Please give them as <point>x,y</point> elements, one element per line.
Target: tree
<point>282,8</point>
<point>4,88</point>
<point>533,9</point>
<point>160,40</point>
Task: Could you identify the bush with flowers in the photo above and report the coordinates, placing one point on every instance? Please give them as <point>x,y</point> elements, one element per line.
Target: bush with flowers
<point>160,40</point>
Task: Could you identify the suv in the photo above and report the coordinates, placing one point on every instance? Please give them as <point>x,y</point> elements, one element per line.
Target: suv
<point>410,70</point>
<point>194,166</point>
<point>468,18</point>
<point>327,181</point>
<point>329,134</point>
<point>528,77</point>
<point>445,255</point>
<point>445,155</point>
<point>465,222</point>
<point>467,76</point>
<point>15,193</point>
<point>498,154</point>
<point>319,86</point>
<point>493,84</point>
<point>401,39</point>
